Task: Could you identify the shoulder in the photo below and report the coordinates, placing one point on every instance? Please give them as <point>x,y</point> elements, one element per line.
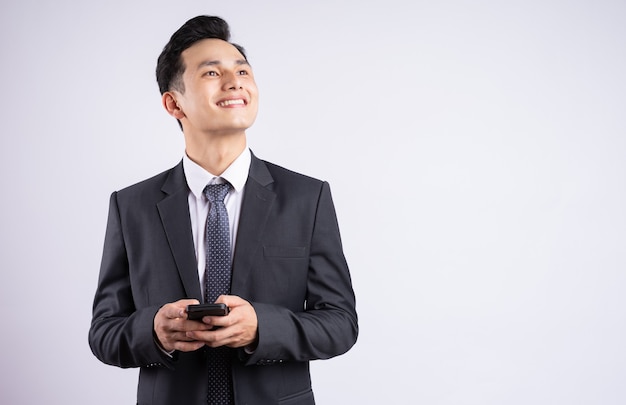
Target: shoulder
<point>283,173</point>
<point>293,183</point>
<point>266,172</point>
<point>154,186</point>
<point>296,190</point>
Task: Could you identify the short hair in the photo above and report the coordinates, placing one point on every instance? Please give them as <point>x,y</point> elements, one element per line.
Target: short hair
<point>170,66</point>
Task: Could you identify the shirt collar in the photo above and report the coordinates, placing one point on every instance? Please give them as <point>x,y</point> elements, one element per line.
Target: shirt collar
<point>236,174</point>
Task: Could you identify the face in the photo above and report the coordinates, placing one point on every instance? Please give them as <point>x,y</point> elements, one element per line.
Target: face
<point>220,95</point>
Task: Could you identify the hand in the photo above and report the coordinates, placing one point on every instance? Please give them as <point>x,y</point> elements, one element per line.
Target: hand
<point>171,327</point>
<point>237,329</point>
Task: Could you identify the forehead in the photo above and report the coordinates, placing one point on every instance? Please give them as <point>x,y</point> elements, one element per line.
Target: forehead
<point>211,51</point>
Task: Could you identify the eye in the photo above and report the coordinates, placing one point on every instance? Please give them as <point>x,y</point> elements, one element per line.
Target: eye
<point>211,73</point>
<point>242,73</point>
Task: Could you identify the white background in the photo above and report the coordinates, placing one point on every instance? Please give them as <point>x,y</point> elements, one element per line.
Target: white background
<point>476,151</point>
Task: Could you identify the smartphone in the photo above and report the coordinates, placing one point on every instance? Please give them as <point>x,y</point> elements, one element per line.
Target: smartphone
<point>196,312</point>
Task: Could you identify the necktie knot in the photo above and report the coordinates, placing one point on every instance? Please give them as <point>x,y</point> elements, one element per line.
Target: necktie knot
<point>216,192</point>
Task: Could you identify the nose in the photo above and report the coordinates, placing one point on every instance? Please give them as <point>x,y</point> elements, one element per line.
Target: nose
<point>232,81</point>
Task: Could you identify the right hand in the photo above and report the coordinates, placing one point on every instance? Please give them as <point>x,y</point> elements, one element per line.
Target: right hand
<point>171,326</point>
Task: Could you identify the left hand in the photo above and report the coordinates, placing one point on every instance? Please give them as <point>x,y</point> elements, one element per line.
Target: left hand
<point>237,329</point>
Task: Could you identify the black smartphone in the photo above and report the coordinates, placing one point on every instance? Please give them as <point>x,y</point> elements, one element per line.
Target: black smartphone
<point>196,312</point>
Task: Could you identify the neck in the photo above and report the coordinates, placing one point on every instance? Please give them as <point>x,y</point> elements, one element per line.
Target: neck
<point>215,154</point>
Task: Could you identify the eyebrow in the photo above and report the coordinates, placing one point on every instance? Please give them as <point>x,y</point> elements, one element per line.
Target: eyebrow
<point>238,62</point>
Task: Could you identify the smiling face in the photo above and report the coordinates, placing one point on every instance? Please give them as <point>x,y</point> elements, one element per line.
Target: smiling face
<point>220,96</point>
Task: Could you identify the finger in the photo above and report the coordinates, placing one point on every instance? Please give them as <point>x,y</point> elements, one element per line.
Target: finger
<point>177,309</point>
<point>219,321</point>
<point>232,336</point>
<point>166,328</point>
<point>231,301</point>
<point>187,325</point>
<point>213,337</point>
<point>177,339</point>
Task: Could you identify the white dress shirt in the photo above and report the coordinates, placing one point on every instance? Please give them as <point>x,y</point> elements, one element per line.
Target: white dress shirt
<point>197,179</point>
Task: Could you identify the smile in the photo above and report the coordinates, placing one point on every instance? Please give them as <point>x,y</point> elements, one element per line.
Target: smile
<point>227,103</point>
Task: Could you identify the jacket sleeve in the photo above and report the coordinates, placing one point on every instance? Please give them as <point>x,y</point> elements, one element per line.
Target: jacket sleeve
<point>327,326</point>
<point>121,334</point>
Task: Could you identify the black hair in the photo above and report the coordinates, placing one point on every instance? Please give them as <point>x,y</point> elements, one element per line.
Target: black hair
<point>170,66</point>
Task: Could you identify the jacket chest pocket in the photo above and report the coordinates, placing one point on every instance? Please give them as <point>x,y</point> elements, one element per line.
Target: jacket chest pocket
<point>286,252</point>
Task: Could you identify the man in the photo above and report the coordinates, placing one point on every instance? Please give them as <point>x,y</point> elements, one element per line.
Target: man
<point>281,272</point>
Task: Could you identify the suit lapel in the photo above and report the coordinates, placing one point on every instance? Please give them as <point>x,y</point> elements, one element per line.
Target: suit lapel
<point>255,209</point>
<point>174,212</point>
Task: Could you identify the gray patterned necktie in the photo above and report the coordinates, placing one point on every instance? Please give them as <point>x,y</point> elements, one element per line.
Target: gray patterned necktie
<point>217,282</point>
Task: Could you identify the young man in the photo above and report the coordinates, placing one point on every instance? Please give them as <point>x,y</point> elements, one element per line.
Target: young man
<point>271,252</point>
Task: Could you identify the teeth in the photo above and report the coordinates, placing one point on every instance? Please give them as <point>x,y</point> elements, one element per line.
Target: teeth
<point>230,102</point>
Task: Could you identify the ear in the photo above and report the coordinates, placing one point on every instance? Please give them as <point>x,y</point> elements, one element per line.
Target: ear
<point>171,105</point>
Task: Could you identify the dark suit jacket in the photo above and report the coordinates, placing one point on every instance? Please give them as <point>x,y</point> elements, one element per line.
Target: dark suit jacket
<point>288,263</point>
